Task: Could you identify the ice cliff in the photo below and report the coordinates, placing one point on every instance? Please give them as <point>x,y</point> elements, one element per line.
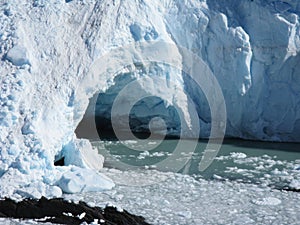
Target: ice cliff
<point>47,48</point>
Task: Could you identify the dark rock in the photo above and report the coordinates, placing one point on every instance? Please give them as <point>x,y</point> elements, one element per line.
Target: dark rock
<point>56,210</point>
<point>60,162</point>
<point>286,188</point>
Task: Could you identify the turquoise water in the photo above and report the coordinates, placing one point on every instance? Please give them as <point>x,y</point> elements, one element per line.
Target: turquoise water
<point>263,163</point>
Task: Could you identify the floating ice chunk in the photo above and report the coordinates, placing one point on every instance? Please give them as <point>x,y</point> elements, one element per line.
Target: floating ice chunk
<point>295,184</point>
<point>17,56</point>
<point>143,155</point>
<point>186,214</point>
<point>238,155</point>
<point>266,201</point>
<point>158,154</point>
<point>119,197</point>
<point>217,177</point>
<point>83,180</point>
<point>130,142</point>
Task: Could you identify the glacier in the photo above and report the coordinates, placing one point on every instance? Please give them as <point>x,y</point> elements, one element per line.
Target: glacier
<point>48,47</point>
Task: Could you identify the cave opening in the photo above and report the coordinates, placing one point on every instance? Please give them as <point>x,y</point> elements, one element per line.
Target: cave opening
<point>97,121</point>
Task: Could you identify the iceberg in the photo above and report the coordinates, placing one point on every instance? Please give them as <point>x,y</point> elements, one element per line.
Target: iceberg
<point>47,49</point>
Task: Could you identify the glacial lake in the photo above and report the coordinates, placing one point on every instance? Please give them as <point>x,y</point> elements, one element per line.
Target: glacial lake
<point>263,163</point>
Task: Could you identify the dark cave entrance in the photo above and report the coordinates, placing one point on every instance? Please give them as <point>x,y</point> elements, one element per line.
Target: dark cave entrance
<point>97,124</point>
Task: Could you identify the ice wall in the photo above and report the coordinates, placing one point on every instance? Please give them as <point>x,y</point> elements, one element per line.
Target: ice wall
<point>252,48</point>
<point>48,47</point>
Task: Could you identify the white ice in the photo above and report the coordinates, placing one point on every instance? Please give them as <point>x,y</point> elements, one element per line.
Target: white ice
<point>48,47</point>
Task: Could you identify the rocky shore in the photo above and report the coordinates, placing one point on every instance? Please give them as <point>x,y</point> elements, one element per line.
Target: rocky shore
<point>60,211</point>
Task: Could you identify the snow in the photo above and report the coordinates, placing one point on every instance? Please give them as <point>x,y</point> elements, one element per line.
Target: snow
<point>49,54</point>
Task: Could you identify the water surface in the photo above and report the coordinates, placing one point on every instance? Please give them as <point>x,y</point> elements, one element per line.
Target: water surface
<point>263,163</point>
